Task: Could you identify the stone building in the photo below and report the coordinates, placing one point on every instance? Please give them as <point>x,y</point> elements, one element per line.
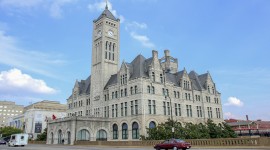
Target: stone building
<point>8,109</point>
<point>119,101</point>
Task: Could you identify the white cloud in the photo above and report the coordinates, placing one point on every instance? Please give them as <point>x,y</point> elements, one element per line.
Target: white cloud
<point>135,25</point>
<point>15,82</point>
<point>14,56</point>
<point>54,7</point>
<point>100,6</point>
<point>233,101</point>
<point>143,39</point>
<point>229,115</point>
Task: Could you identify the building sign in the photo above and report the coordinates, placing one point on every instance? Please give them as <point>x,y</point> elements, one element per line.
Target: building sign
<point>38,127</point>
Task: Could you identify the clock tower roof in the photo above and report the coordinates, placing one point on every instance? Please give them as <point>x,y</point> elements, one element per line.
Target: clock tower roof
<point>106,13</point>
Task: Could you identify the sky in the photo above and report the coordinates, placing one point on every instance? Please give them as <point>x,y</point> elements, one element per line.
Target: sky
<point>45,46</point>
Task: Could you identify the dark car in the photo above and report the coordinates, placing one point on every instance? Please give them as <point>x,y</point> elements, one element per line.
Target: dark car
<point>3,142</point>
<point>174,144</point>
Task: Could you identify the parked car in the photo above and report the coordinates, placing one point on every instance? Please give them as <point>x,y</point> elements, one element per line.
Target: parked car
<point>174,144</point>
<point>3,142</point>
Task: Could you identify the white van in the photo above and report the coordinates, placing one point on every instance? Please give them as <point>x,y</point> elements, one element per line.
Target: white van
<point>18,140</point>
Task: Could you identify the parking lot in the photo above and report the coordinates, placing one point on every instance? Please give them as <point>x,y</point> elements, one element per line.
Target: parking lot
<point>64,147</point>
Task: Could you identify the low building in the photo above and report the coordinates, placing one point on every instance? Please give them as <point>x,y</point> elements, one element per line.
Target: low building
<point>250,128</point>
<point>8,109</point>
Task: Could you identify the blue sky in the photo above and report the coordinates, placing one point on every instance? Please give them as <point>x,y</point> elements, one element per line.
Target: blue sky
<point>45,45</point>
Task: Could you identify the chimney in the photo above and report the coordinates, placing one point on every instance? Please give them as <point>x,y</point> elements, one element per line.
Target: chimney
<point>154,54</point>
<point>167,53</point>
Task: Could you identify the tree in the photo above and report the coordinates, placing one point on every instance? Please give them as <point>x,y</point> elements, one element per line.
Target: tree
<point>42,136</point>
<point>7,131</point>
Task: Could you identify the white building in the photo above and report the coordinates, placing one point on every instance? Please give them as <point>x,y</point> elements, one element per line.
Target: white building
<point>119,103</point>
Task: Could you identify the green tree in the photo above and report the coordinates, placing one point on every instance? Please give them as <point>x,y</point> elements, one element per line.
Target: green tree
<point>227,131</point>
<point>42,136</point>
<point>7,131</point>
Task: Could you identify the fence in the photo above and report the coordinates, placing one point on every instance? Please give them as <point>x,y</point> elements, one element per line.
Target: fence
<point>199,142</point>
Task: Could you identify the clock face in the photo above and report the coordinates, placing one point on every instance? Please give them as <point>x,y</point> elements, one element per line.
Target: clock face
<point>110,33</point>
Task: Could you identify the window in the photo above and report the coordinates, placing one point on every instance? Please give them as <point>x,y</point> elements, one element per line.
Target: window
<point>209,110</point>
<point>116,94</point>
<point>112,95</point>
<point>125,91</point>
<point>131,108</point>
<point>131,90</point>
<point>174,93</point>
<point>125,108</point>
<point>149,107</point>
<point>199,111</point>
<point>178,95</point>
<point>213,90</point>
<point>112,110</point>
<point>153,90</point>
<point>189,110</point>
<point>153,76</point>
<point>154,106</point>
<point>164,108</point>
<point>136,89</point>
<point>164,92</point>
<point>116,110</point>
<point>135,130</point>
<point>83,135</point>
<point>115,131</point>
<point>161,78</point>
<point>148,89</point>
<point>177,109</point>
<point>169,108</point>
<point>121,92</point>
<point>124,131</point>
<point>218,112</point>
<point>122,109</point>
<point>152,125</point>
<point>101,135</point>
<point>186,95</point>
<point>136,107</point>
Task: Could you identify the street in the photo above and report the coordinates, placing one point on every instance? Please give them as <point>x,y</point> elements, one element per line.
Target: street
<point>63,147</point>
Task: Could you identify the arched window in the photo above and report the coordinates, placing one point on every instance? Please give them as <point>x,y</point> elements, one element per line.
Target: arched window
<point>83,135</point>
<point>124,131</point>
<point>153,76</point>
<point>161,78</point>
<point>101,135</point>
<point>136,89</point>
<point>135,131</point>
<point>213,90</point>
<point>115,131</point>
<point>113,47</point>
<point>110,46</point>
<point>52,138</point>
<point>68,137</point>
<point>106,46</point>
<point>131,90</point>
<point>153,90</point>
<point>148,89</point>
<point>152,125</point>
<point>60,136</point>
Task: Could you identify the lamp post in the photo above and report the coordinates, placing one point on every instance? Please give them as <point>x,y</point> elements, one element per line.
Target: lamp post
<point>167,95</point>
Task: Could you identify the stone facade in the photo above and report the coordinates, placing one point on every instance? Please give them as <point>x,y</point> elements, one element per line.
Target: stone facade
<point>118,104</point>
<point>8,109</point>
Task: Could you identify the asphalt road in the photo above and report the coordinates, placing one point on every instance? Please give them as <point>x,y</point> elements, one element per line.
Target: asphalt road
<point>63,147</point>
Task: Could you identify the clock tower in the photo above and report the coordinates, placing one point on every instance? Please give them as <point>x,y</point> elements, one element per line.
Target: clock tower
<point>105,52</point>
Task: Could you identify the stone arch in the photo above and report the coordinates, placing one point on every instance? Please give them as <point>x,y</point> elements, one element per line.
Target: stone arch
<point>101,135</point>
<point>60,137</point>
<point>83,135</point>
<point>51,138</point>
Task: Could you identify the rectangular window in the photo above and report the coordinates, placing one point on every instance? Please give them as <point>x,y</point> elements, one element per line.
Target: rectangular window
<point>122,109</point>
<point>209,110</point>
<point>179,109</point>
<point>105,112</point>
<point>149,107</point>
<point>189,110</point>
<point>168,106</point>
<point>131,108</point>
<point>112,95</point>
<point>199,111</point>
<point>164,108</point>
<point>176,110</point>
<point>116,110</point>
<point>154,106</point>
<point>136,107</point>
<point>125,91</point>
<point>112,110</point>
<point>125,108</point>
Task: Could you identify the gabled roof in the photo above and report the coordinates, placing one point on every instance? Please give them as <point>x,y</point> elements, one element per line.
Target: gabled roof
<point>112,80</point>
<point>172,78</point>
<point>84,86</point>
<point>193,76</point>
<point>138,67</point>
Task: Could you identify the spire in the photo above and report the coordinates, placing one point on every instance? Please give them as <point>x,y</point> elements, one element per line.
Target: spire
<point>106,7</point>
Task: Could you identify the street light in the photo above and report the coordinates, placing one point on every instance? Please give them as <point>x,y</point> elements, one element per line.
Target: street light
<point>167,95</point>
